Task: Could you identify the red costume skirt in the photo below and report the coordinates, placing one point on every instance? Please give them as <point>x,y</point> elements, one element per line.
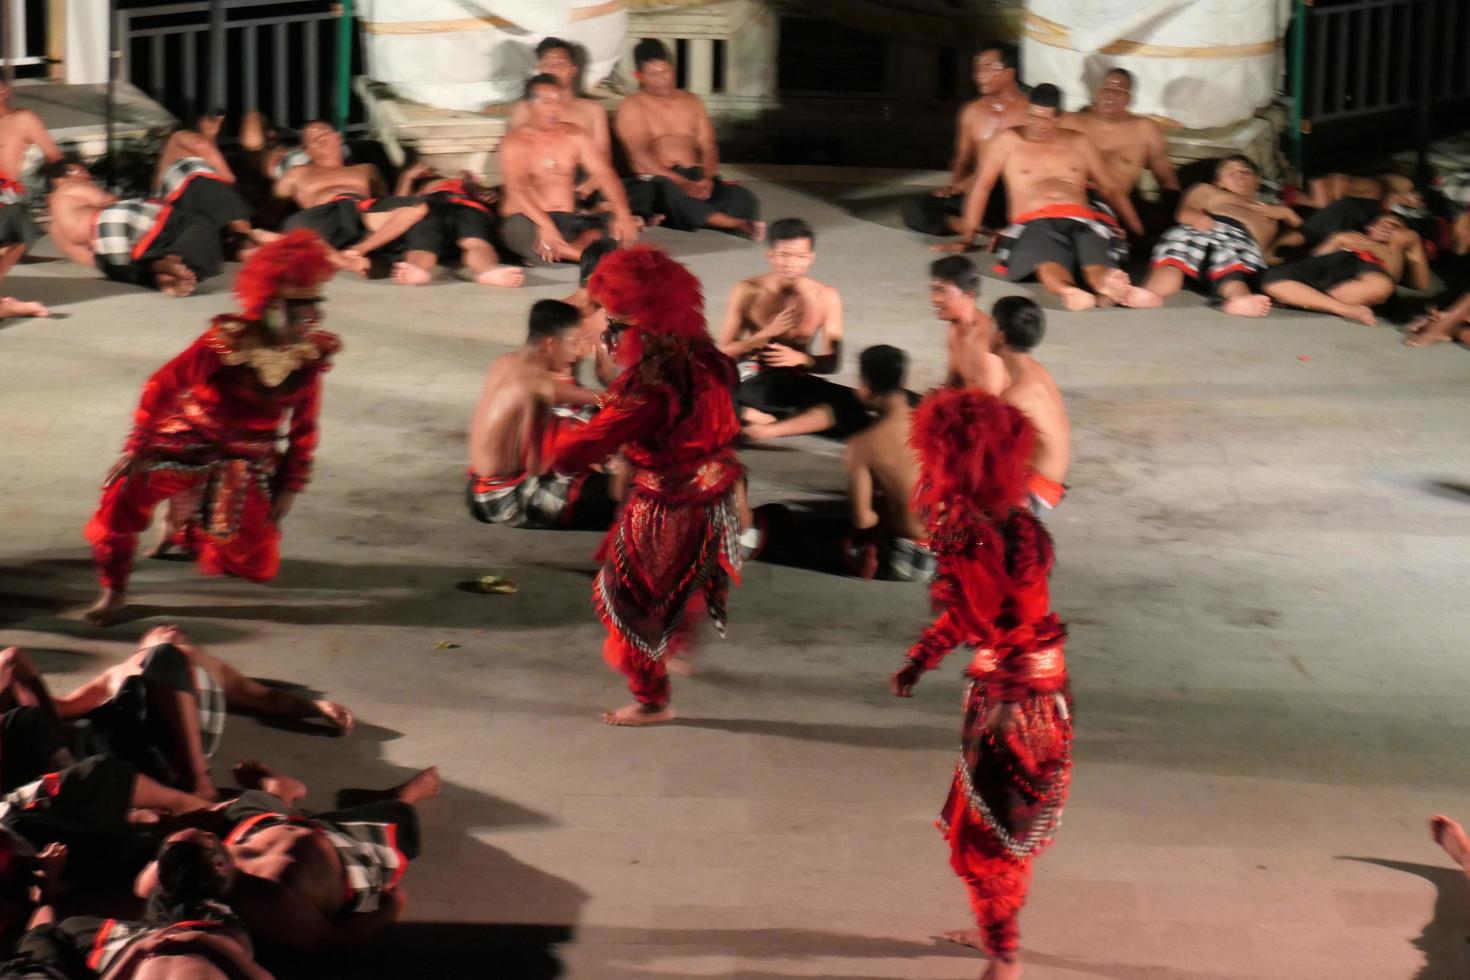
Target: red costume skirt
<point>219,508</point>
<point>1004,807</point>
<point>660,562</point>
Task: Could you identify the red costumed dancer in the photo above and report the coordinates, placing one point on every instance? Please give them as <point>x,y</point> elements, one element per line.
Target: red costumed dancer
<point>207,428</point>
<point>670,413</point>
<point>990,591</point>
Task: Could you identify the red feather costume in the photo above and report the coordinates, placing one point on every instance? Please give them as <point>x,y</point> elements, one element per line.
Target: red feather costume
<point>991,595</point>
<point>671,414</point>
<point>207,427</point>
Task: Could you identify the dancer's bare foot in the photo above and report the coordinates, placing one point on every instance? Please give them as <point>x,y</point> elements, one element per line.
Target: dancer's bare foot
<point>1000,969</point>
<point>420,787</point>
<point>1077,299</point>
<point>174,278</point>
<point>10,306</point>
<point>257,775</point>
<point>1360,314</point>
<point>408,274</point>
<point>502,275</point>
<point>1432,328</point>
<point>636,715</point>
<point>1114,286</point>
<point>1449,835</point>
<point>972,938</point>
<point>1138,298</point>
<point>1253,304</point>
<point>105,610</point>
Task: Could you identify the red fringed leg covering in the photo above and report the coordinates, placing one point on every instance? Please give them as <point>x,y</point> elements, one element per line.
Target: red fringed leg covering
<point>234,534</point>
<point>996,882</point>
<point>648,679</point>
<point>126,509</point>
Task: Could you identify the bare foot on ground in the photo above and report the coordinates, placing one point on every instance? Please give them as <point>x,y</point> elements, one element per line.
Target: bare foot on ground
<point>1114,286</point>
<point>636,715</point>
<point>1430,329</point>
<point>972,938</point>
<point>1361,314</point>
<point>408,274</point>
<point>1077,299</point>
<point>105,610</point>
<point>420,787</point>
<point>1449,835</point>
<point>10,306</point>
<point>174,278</point>
<point>257,775</point>
<point>1256,304</point>
<point>502,275</point>
<point>1138,298</point>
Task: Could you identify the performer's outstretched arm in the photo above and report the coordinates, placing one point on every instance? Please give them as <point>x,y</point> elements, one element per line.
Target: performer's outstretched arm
<point>301,440</point>
<point>623,418</point>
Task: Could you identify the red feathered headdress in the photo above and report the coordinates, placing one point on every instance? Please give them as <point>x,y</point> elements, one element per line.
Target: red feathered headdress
<point>296,264</point>
<point>975,452</point>
<point>643,285</point>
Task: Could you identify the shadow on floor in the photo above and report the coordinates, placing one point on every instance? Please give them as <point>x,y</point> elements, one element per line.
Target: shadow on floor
<point>1443,938</point>
<point>906,737</point>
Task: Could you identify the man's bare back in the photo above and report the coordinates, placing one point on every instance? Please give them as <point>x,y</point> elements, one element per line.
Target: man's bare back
<point>972,363</point>
<point>884,449</point>
<point>508,421</point>
<point>20,129</point>
<point>1035,393</point>
<point>73,206</point>
<point>187,143</point>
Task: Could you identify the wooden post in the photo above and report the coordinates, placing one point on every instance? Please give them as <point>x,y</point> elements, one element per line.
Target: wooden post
<point>55,39</point>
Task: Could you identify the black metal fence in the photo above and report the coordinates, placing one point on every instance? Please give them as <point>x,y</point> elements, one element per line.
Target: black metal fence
<point>277,56</point>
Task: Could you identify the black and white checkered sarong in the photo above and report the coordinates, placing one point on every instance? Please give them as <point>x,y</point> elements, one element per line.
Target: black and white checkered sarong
<point>527,501</point>
<point>121,227</point>
<point>909,561</point>
<point>1227,248</point>
<point>171,184</point>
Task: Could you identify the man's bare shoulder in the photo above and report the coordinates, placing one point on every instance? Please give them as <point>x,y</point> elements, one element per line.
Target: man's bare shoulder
<point>1079,122</point>
<point>688,100</point>
<point>21,119</point>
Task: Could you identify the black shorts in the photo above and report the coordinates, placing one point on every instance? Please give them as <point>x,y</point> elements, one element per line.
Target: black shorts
<point>784,392</point>
<point>520,233</point>
<point>1070,243</point>
<point>214,200</point>
<point>185,234</point>
<point>446,225</point>
<point>1323,272</point>
<point>684,213</point>
<point>17,227</point>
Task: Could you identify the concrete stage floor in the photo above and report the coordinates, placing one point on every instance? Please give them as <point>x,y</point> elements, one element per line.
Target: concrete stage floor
<point>1262,561</point>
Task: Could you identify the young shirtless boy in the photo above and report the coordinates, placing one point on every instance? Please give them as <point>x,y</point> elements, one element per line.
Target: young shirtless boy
<point>1019,326</point>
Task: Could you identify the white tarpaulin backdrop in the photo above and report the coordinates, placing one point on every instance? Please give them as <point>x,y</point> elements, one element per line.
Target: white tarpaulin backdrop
<point>466,54</point>
<point>1202,63</point>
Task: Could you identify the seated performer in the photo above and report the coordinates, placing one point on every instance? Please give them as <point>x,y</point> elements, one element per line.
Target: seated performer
<point>954,288</point>
<point>20,131</point>
<point>1352,272</point>
<point>1056,228</point>
<point>309,881</point>
<point>193,175</point>
<point>459,228</point>
<point>1223,237</point>
<point>1129,143</point>
<point>208,423</point>
<point>1000,105</point>
<point>670,412</point>
<point>540,161</point>
<point>1353,213</point>
<point>1019,326</point>
<point>142,243</point>
<point>162,710</point>
<point>1442,326</point>
<point>990,590</point>
<point>882,471</point>
<point>513,425</point>
<point>783,329</point>
<point>344,204</point>
<point>669,139</point>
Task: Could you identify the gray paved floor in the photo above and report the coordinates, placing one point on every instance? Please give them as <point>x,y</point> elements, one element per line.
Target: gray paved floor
<point>1263,563</point>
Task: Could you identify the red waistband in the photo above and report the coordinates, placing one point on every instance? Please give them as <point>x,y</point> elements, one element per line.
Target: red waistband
<point>487,484</point>
<point>1080,212</point>
<point>1049,490</point>
<point>1368,257</point>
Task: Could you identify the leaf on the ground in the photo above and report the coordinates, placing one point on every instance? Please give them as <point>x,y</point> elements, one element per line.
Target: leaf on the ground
<point>495,585</point>
<point>446,645</point>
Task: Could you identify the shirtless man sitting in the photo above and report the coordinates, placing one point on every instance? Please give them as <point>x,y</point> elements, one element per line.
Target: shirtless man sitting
<point>308,881</point>
<point>954,289</point>
<point>142,243</point>
<point>783,329</point>
<point>540,161</point>
<point>1352,272</point>
<point>670,141</point>
<point>1224,234</point>
<point>193,174</point>
<point>1000,106</point>
<point>1056,228</point>
<point>1129,144</point>
<point>20,131</point>
<point>1019,327</point>
<point>882,470</point>
<point>513,423</point>
<point>344,204</point>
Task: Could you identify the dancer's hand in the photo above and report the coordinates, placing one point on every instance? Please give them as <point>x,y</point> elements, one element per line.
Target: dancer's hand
<point>120,469</point>
<point>902,683</point>
<point>281,506</point>
<point>781,355</point>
